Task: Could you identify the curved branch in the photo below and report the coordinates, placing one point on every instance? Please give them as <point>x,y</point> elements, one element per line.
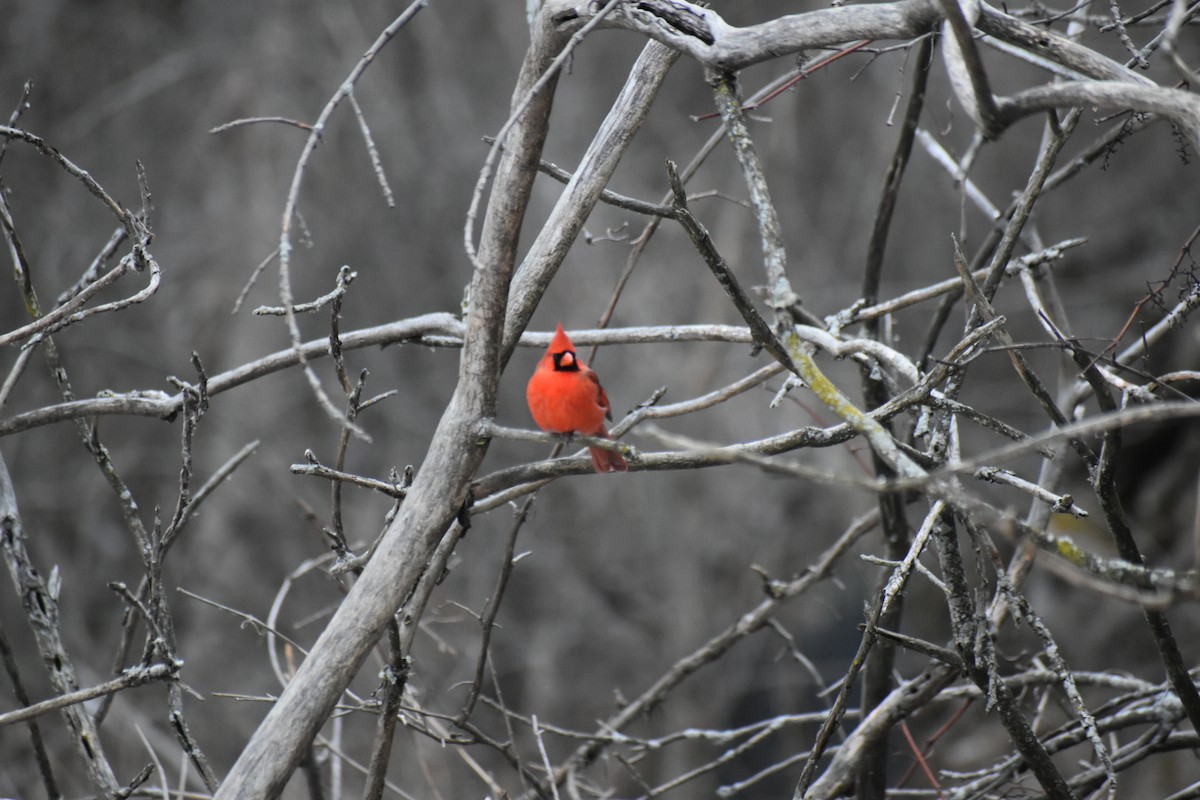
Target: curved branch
<point>1178,106</point>
<point>706,37</point>
<point>51,320</point>
<point>126,217</point>
<point>291,205</point>
<point>965,67</point>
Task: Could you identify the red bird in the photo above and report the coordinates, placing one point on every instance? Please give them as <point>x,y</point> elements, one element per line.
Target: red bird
<point>566,397</point>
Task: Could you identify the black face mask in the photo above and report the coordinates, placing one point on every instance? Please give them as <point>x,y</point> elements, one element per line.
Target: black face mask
<point>566,361</point>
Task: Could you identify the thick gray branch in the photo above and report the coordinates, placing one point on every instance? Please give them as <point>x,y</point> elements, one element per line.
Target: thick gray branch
<point>705,36</point>
<point>1051,45</point>
<point>585,187</point>
<point>439,491</point>
<point>1180,107</point>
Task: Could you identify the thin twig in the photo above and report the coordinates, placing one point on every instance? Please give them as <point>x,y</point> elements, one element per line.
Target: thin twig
<point>291,207</point>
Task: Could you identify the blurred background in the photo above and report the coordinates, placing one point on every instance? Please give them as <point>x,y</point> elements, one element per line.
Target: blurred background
<point>623,574</point>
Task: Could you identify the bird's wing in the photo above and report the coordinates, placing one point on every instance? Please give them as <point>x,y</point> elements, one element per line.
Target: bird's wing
<point>601,397</point>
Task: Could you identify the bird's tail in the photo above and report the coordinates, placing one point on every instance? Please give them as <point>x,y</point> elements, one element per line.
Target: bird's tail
<point>607,460</point>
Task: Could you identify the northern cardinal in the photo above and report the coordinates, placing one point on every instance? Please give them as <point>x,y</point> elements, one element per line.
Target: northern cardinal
<point>566,397</point>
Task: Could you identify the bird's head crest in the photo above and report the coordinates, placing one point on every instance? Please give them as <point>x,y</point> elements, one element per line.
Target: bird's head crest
<point>561,342</point>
